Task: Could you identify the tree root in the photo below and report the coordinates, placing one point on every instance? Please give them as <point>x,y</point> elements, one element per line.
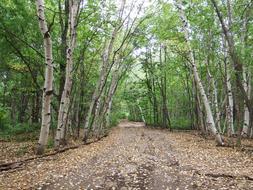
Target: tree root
<point>18,164</point>
<point>223,175</point>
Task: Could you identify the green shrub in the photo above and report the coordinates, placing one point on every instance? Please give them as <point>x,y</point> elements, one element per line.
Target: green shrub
<point>4,113</point>
<point>50,143</point>
<point>116,117</point>
<point>20,132</point>
<point>181,123</point>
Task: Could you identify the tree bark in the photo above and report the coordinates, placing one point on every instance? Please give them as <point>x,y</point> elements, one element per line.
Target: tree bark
<point>65,97</point>
<point>104,72</point>
<point>246,78</point>
<point>64,22</point>
<point>247,87</point>
<point>238,66</point>
<point>215,96</point>
<point>48,84</point>
<point>210,119</point>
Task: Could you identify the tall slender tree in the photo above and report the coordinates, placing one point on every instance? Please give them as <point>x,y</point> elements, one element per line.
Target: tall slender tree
<point>237,63</point>
<point>74,6</point>
<point>209,115</point>
<point>48,84</point>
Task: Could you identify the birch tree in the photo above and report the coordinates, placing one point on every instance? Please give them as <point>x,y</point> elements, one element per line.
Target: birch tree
<point>237,63</point>
<point>104,71</point>
<point>209,115</point>
<point>215,97</point>
<point>246,77</point>
<point>65,97</point>
<point>247,86</point>
<point>102,117</point>
<point>48,84</point>
<point>230,106</point>
<point>231,130</point>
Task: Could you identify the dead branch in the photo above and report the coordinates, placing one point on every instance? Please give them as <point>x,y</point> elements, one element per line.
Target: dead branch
<point>217,175</point>
<point>18,164</point>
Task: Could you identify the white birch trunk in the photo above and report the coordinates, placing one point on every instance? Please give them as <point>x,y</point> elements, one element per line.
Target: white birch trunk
<point>107,118</point>
<point>95,97</point>
<point>246,82</point>
<point>231,130</point>
<point>108,104</point>
<point>105,110</point>
<point>105,68</point>
<point>230,106</point>
<point>65,98</point>
<point>216,106</point>
<point>215,98</point>
<point>210,120</point>
<point>48,84</point>
<point>101,81</point>
<point>247,88</point>
<point>230,102</point>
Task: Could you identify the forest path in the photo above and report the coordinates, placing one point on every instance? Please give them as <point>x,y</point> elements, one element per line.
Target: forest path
<point>137,157</point>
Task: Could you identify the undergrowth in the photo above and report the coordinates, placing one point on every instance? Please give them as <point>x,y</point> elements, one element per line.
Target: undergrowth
<point>19,132</point>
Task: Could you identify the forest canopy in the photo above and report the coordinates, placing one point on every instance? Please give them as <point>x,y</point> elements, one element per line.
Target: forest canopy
<point>74,68</point>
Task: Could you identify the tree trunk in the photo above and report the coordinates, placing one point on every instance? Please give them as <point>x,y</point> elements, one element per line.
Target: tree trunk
<point>246,78</point>
<point>199,114</point>
<point>65,97</point>
<point>104,71</point>
<point>23,107</point>
<point>247,87</point>
<point>101,112</point>
<point>141,111</point>
<point>215,97</point>
<point>210,120</point>
<point>48,84</point>
<point>238,66</point>
<point>230,106</point>
<point>64,22</point>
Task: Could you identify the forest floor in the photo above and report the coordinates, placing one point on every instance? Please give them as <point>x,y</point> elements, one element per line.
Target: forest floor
<point>136,157</point>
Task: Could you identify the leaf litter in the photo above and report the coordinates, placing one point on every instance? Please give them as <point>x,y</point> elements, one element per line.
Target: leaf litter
<point>136,157</point>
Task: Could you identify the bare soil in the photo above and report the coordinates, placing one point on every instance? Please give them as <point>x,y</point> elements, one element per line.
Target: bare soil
<point>136,157</point>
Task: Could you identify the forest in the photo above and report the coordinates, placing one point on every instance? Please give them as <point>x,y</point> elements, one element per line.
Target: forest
<point>144,94</point>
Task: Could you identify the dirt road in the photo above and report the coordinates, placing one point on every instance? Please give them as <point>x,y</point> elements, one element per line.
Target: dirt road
<point>133,157</point>
<point>138,159</point>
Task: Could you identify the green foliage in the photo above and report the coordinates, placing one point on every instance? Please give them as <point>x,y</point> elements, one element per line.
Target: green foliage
<point>50,143</point>
<point>116,117</point>
<point>4,121</point>
<point>22,61</point>
<point>20,132</point>
<point>119,111</point>
<point>181,123</point>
